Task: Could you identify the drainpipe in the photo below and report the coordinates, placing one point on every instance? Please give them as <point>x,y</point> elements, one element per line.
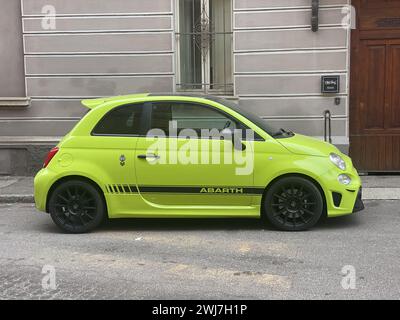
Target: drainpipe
<point>314,15</point>
<point>328,126</point>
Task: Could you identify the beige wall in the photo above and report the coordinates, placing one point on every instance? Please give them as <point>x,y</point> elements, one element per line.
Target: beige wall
<point>99,48</point>
<point>103,47</point>
<point>279,62</point>
<point>11,51</point>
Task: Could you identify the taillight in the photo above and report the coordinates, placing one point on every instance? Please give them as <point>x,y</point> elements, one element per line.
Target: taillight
<point>50,156</point>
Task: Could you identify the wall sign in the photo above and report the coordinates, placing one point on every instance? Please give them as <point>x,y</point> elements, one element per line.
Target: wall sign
<point>330,84</point>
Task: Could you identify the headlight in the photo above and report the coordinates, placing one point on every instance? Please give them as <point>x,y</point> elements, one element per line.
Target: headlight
<point>344,179</point>
<point>338,161</point>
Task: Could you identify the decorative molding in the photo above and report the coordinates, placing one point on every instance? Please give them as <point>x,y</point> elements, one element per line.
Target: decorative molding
<point>14,141</point>
<point>15,102</point>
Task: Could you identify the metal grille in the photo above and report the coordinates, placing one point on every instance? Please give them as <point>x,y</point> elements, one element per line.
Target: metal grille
<point>204,41</point>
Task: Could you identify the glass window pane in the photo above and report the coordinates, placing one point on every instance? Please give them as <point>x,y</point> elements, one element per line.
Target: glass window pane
<point>221,72</point>
<point>124,120</point>
<point>189,116</point>
<point>161,117</point>
<point>190,54</point>
<point>197,117</point>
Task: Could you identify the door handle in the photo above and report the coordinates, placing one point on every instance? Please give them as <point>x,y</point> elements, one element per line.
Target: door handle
<point>148,156</point>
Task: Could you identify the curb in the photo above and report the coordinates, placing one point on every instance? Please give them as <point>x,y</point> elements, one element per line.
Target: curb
<point>381,193</point>
<point>16,198</point>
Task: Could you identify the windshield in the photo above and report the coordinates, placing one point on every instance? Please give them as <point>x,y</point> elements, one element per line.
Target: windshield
<point>258,121</point>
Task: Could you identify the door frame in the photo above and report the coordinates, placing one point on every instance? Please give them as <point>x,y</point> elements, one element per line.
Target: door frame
<point>355,46</point>
<point>248,192</point>
<point>356,38</point>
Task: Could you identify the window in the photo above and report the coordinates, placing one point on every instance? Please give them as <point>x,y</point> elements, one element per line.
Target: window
<point>12,88</point>
<point>124,120</point>
<point>204,46</point>
<point>258,121</point>
<point>189,116</point>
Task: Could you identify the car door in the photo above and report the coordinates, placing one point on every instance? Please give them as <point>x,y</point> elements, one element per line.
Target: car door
<point>175,165</point>
<point>111,148</point>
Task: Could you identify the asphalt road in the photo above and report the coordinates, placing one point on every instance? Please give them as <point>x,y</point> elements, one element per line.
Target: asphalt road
<point>200,259</point>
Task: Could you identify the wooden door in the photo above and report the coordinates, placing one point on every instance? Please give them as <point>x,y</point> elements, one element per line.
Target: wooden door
<point>375,86</point>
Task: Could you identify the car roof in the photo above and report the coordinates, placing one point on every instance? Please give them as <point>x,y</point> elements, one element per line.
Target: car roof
<point>94,103</point>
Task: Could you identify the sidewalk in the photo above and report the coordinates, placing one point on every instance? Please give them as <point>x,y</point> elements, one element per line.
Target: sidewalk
<point>381,187</point>
<point>16,189</point>
<point>20,189</point>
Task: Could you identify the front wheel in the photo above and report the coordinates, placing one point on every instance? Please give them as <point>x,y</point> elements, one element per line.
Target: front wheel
<point>76,207</point>
<point>293,204</point>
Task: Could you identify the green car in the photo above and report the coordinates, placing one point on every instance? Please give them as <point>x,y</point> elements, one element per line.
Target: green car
<point>185,156</point>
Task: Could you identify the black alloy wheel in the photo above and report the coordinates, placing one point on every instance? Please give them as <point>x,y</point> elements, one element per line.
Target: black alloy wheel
<point>293,204</point>
<point>76,207</point>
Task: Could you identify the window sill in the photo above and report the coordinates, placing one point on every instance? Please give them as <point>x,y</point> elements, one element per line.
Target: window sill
<point>225,95</point>
<point>15,102</point>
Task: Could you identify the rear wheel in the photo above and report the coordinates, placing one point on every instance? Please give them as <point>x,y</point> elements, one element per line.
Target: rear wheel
<point>293,204</point>
<point>76,207</point>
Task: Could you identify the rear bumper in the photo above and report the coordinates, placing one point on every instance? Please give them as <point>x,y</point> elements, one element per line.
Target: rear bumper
<point>42,183</point>
<point>359,205</point>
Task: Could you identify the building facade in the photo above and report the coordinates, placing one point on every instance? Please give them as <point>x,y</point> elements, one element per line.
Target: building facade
<point>269,55</point>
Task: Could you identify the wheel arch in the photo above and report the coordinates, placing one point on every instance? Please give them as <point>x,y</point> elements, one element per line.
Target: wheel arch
<point>75,177</point>
<point>301,175</point>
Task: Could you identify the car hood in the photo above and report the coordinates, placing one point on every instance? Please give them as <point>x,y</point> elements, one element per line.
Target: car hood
<point>303,145</point>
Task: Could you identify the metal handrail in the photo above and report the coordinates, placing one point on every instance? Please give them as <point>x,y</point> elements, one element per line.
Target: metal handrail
<point>328,126</point>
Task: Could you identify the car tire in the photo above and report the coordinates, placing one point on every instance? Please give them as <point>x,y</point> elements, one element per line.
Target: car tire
<point>293,204</point>
<point>77,206</point>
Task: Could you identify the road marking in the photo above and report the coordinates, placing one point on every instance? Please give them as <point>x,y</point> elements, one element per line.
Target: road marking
<point>244,248</point>
<point>222,274</point>
<point>179,268</point>
<point>274,280</point>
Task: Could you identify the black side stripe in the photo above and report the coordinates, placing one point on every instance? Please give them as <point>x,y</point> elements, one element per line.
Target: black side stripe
<point>133,189</point>
<point>203,190</point>
<point>121,189</point>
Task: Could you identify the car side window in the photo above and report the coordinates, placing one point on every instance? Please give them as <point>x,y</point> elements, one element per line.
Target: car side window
<point>189,116</point>
<point>125,120</point>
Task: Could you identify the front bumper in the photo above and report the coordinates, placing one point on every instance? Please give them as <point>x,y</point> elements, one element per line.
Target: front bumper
<point>342,199</point>
<point>359,205</point>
